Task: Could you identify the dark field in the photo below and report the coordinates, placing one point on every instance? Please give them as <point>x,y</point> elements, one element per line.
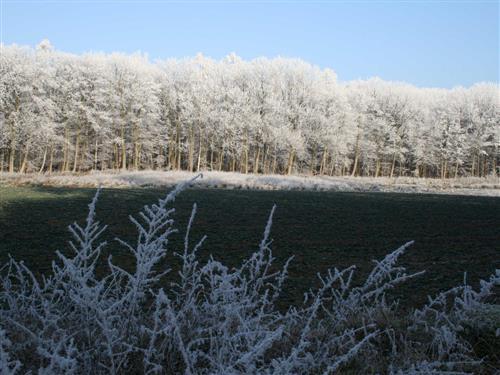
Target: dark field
<point>452,234</point>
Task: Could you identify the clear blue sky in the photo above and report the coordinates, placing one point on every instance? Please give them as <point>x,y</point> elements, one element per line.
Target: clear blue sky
<point>426,43</point>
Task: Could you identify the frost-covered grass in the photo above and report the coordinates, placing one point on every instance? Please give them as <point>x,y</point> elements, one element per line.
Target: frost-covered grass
<point>489,186</point>
<point>214,319</point>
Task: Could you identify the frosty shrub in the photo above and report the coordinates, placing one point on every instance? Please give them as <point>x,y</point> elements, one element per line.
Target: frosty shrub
<point>213,319</point>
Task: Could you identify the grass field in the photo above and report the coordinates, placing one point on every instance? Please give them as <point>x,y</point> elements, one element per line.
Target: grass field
<point>320,229</point>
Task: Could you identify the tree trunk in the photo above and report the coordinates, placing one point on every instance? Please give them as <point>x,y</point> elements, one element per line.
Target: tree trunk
<point>191,149</point>
<point>256,162</point>
<point>264,159</point>
<point>233,166</point>
<point>221,158</point>
<point>393,166</point>
<point>12,150</point>
<point>355,166</point>
<point>51,160</point>
<point>95,155</point>
<point>211,158</point>
<point>171,151</point>
<point>356,157</point>
<point>473,164</point>
<point>245,153</point>
<point>445,169</point>
<point>334,162</point>
<point>24,165</point>
<point>124,149</point>
<point>43,161</point>
<point>137,158</point>
<point>135,141</point>
<point>495,164</point>
<point>116,164</point>
<point>65,166</point>
<point>275,156</point>
<point>77,149</point>
<point>291,158</point>
<point>377,167</point>
<point>179,147</point>
<point>322,166</point>
<point>12,157</point>
<point>198,165</point>
<point>313,160</point>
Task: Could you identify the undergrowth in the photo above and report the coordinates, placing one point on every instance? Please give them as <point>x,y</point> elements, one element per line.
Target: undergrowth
<point>213,319</point>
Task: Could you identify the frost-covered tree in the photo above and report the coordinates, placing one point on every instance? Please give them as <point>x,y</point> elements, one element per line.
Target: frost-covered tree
<point>76,113</point>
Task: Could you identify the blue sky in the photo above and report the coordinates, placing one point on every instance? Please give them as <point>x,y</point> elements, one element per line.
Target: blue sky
<point>426,43</point>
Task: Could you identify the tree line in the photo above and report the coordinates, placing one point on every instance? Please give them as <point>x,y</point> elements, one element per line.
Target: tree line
<point>61,112</point>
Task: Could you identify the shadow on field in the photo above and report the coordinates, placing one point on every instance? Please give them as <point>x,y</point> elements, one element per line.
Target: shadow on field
<point>452,234</point>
